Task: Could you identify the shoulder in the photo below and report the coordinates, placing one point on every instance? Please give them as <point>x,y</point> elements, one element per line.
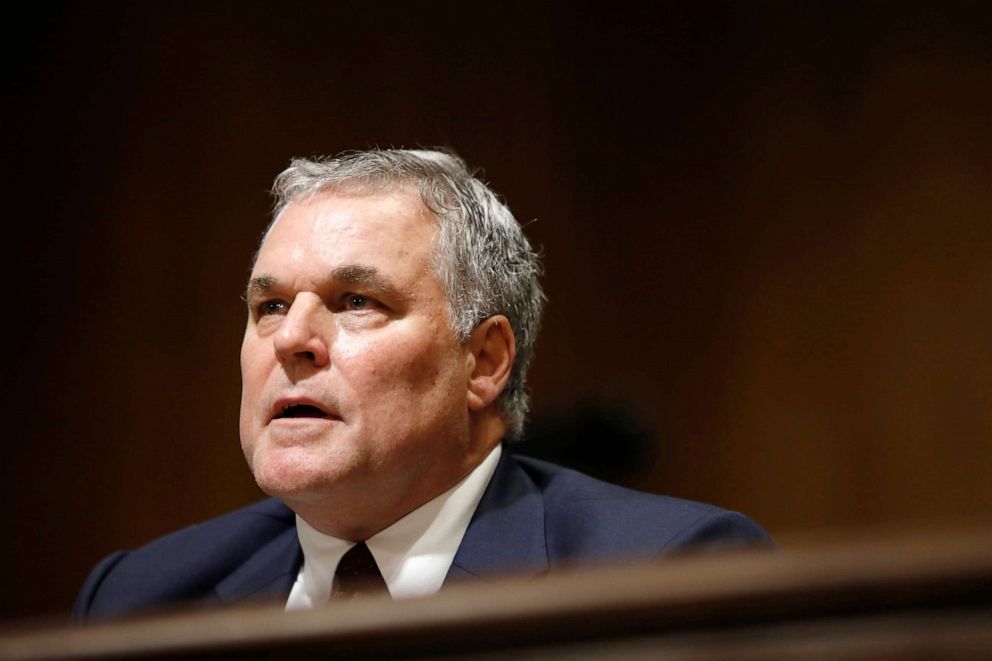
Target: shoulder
<point>182,566</point>
<point>234,531</point>
<point>587,518</point>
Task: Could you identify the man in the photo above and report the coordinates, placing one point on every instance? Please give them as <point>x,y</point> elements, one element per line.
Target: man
<point>392,311</point>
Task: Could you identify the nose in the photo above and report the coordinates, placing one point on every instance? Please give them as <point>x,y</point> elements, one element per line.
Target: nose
<point>303,338</point>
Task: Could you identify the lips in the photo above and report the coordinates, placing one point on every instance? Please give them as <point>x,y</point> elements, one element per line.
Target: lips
<point>300,408</point>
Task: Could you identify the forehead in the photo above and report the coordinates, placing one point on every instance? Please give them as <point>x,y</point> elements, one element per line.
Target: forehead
<point>330,228</point>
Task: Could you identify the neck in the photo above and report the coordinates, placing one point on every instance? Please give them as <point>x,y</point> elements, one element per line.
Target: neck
<point>365,508</point>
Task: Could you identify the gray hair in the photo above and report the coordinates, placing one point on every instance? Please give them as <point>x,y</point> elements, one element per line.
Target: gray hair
<point>481,256</point>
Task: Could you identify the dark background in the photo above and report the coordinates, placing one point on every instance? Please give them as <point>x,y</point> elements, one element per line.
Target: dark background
<point>766,228</point>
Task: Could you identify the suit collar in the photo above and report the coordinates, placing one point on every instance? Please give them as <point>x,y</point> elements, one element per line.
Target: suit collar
<point>268,574</point>
<point>506,534</point>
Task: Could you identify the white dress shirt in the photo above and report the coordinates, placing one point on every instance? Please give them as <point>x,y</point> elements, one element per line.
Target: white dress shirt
<point>413,554</point>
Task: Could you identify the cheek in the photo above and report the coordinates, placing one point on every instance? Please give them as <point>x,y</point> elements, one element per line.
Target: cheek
<point>399,369</point>
<point>255,359</point>
<point>254,372</point>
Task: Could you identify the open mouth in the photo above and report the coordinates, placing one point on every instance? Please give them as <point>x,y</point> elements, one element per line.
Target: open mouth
<point>301,411</point>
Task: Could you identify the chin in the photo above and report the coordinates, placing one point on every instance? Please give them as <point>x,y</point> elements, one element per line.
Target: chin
<point>289,475</point>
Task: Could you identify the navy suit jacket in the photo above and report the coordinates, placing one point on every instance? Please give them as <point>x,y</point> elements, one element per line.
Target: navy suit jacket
<point>534,517</point>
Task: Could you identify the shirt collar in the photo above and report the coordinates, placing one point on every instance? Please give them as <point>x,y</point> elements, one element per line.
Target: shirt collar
<point>413,554</point>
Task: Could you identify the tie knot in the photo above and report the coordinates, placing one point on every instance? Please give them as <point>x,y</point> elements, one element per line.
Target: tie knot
<point>357,574</point>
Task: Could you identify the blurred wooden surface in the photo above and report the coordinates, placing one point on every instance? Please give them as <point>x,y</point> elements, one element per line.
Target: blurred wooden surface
<point>890,597</point>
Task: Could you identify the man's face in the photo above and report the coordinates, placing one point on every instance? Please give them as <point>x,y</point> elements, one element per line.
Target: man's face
<point>354,385</point>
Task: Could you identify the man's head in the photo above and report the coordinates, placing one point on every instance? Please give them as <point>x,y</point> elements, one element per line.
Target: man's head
<point>481,256</point>
<point>393,305</point>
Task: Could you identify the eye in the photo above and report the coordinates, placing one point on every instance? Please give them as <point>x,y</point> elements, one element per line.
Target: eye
<point>268,308</point>
<point>356,302</point>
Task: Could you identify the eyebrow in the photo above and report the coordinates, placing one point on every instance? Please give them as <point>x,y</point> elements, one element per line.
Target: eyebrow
<point>261,284</point>
<point>352,274</point>
<point>366,276</point>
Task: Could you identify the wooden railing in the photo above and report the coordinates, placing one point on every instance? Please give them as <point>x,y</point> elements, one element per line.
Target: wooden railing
<point>922,597</point>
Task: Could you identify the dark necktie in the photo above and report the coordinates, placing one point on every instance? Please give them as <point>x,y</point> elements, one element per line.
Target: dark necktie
<point>357,574</point>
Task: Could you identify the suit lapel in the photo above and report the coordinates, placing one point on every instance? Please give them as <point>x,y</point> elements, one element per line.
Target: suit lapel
<point>506,533</point>
<point>268,574</point>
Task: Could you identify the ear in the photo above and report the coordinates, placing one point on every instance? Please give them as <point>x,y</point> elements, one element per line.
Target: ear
<point>493,348</point>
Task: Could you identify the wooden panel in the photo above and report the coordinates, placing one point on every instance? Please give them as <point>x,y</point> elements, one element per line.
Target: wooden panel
<point>893,595</point>
<point>766,228</point>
